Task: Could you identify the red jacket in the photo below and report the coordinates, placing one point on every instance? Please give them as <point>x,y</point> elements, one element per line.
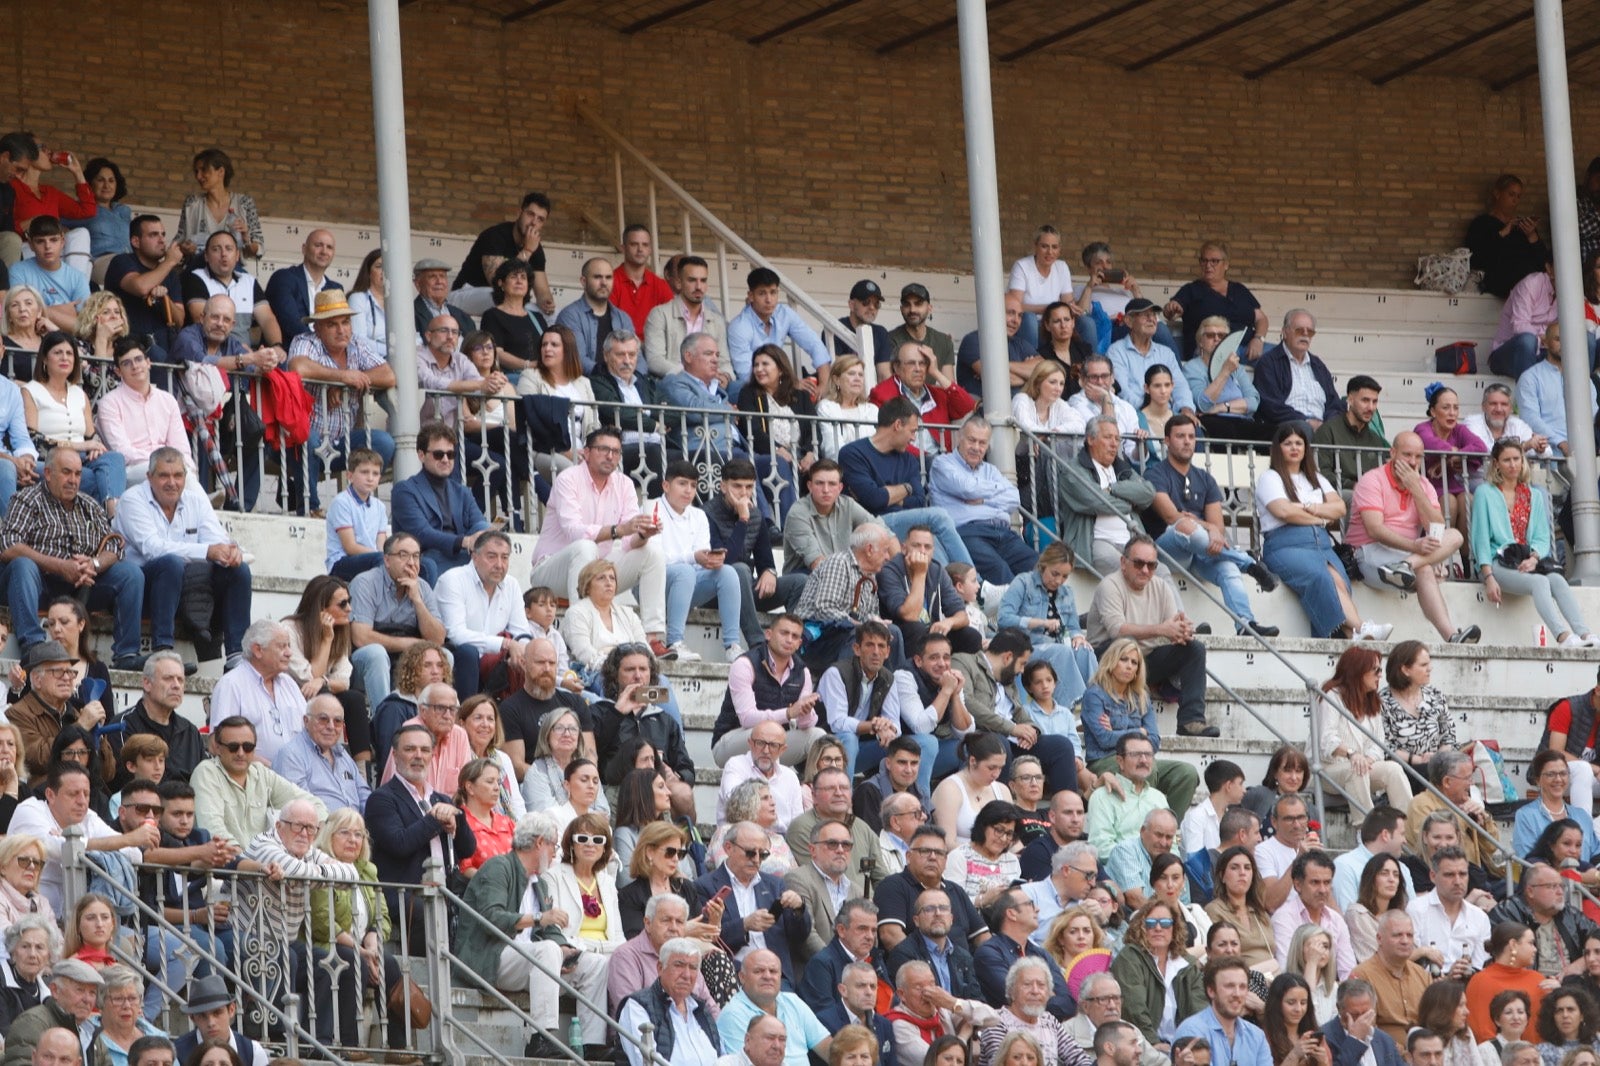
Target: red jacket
<point>50,201</point>
<point>949,405</point>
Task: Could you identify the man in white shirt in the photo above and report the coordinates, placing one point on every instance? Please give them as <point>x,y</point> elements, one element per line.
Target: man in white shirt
<point>696,573</point>
<point>1225,788</point>
<point>169,525</point>
<point>761,762</point>
<point>1292,835</point>
<point>261,690</point>
<point>66,802</point>
<point>1446,922</point>
<point>868,704</point>
<point>481,608</point>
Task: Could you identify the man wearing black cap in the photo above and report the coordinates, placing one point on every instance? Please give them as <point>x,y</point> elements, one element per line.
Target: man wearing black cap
<point>916,307</point>
<point>865,299</point>
<point>1135,353</point>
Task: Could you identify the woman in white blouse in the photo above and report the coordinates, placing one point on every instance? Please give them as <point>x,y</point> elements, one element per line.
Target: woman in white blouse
<point>57,412</point>
<point>1039,407</point>
<point>846,412</point>
<point>370,323</point>
<point>597,623</point>
<point>1352,756</point>
<point>560,373</point>
<point>1295,504</point>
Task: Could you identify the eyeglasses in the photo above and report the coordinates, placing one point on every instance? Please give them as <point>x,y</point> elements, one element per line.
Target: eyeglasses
<point>1109,997</point>
<point>236,746</point>
<point>605,449</point>
<point>449,331</point>
<point>1028,779</point>
<point>1144,564</point>
<point>443,455</point>
<point>450,708</point>
<point>1087,875</point>
<point>122,1001</point>
<point>940,852</point>
<point>566,730</point>
<point>410,557</point>
<point>75,753</point>
<point>767,745</point>
<point>1158,923</point>
<point>589,838</point>
<point>674,853</point>
<point>55,671</point>
<point>132,360</point>
<point>303,828</point>
<point>756,854</point>
<point>1304,331</point>
<point>1212,334</point>
<point>934,908</point>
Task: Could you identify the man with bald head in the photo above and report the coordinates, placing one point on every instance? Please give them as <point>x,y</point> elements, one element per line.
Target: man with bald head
<point>292,291</point>
<point>592,317</point>
<point>220,274</point>
<point>765,1044</point>
<point>1021,351</point>
<point>762,763</point>
<point>1400,535</point>
<point>1129,862</point>
<point>317,760</point>
<point>210,339</point>
<point>761,997</point>
<point>523,710</point>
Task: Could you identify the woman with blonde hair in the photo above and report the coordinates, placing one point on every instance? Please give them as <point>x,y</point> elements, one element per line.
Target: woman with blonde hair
<point>654,868</point>
<point>25,325</point>
<point>1079,946</point>
<point>560,741</point>
<point>847,415</point>
<point>22,859</point>
<point>752,801</point>
<point>92,930</point>
<point>102,321</point>
<point>354,920</point>
<point>1311,956</point>
<point>854,1045</point>
<point>597,623</point>
<point>1160,981</point>
<point>1116,704</point>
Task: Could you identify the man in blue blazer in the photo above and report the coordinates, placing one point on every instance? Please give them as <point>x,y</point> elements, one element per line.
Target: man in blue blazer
<point>291,290</point>
<point>1281,364</point>
<point>435,507</point>
<point>696,387</point>
<point>409,824</point>
<point>783,933</point>
<point>855,939</point>
<point>1355,1029</point>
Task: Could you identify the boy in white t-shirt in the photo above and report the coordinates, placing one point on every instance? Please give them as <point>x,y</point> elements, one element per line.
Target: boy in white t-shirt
<point>696,573</point>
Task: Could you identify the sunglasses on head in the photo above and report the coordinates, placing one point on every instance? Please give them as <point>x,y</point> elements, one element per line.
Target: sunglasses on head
<point>236,746</point>
<point>589,838</point>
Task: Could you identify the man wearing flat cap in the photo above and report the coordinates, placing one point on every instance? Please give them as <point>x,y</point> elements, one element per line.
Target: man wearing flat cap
<point>432,279</point>
<point>47,706</point>
<point>74,987</point>
<point>345,368</point>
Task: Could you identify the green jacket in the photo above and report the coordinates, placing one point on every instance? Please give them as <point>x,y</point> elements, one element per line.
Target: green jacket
<point>1080,499</point>
<point>495,896</point>
<point>1144,993</point>
<point>30,1025</point>
<point>324,931</point>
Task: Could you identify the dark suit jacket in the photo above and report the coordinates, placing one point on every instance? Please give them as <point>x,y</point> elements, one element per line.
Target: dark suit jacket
<point>416,511</point>
<point>995,956</point>
<point>423,316</point>
<point>820,985</point>
<point>606,392</point>
<point>286,292</point>
<point>402,836</point>
<point>1347,1051</point>
<point>786,938</point>
<point>963,972</point>
<point>834,1018</point>
<point>1273,382</point>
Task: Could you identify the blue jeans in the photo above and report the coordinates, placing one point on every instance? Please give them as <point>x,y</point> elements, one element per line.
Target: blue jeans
<point>1301,556</point>
<point>167,957</point>
<point>299,459</point>
<point>370,665</point>
<point>104,477</point>
<point>120,587</point>
<point>868,749</point>
<point>689,586</point>
<point>997,552</point>
<point>947,545</point>
<point>1515,355</point>
<point>1221,570</point>
<point>349,566</point>
<point>8,483</point>
<point>163,588</point>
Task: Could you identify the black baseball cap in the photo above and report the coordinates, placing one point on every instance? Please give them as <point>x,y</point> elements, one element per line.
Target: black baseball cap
<point>915,291</point>
<point>866,289</point>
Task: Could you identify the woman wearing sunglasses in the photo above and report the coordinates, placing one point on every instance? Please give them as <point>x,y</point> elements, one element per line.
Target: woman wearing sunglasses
<point>1151,962</point>
<point>22,859</point>
<point>584,887</point>
<point>655,868</point>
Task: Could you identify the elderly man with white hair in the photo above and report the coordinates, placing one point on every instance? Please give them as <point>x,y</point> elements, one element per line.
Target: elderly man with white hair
<point>1028,984</point>
<point>634,966</point>
<point>509,893</point>
<point>1100,1003</point>
<point>685,1033</point>
<point>269,913</point>
<point>926,1012</point>
<point>843,590</point>
<point>261,689</point>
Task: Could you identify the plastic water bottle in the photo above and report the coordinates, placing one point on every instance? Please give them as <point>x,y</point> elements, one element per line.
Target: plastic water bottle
<point>575,1036</point>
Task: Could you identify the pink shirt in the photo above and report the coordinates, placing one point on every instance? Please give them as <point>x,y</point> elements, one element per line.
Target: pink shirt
<point>579,511</point>
<point>448,759</point>
<point>137,425</point>
<point>741,684</point>
<point>1377,491</point>
<point>1529,309</point>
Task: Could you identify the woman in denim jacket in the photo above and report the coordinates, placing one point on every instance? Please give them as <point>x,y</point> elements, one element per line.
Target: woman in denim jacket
<point>1042,603</point>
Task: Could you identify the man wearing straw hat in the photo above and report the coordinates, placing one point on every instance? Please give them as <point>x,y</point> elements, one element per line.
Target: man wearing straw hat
<point>347,370</point>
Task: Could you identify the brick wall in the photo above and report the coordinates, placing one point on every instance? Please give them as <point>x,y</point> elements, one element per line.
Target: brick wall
<point>808,147</point>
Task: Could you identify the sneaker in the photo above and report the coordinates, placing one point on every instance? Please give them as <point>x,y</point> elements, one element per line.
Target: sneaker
<point>1201,728</point>
<point>1378,631</point>
<point>659,649</point>
<point>1258,628</point>
<point>542,1047</point>
<point>1590,640</point>
<point>1399,576</point>
<point>234,659</point>
<point>733,652</point>
<point>1203,629</point>
<point>1469,635</point>
<point>683,653</point>
<point>1265,579</point>
<point>1572,640</point>
<point>132,663</point>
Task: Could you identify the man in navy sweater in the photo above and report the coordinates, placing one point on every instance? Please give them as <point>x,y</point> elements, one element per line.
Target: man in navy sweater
<point>884,474</point>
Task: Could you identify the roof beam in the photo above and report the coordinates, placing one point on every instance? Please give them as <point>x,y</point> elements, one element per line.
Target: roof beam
<point>1454,47</point>
<point>1074,29</point>
<point>1527,72</point>
<point>1338,38</point>
<point>1208,35</point>
<point>803,20</point>
<point>530,10</point>
<point>933,29</point>
<point>664,16</point>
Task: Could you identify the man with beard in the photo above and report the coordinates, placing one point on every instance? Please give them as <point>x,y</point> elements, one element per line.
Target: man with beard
<point>1221,1025</point>
<point>916,308</point>
<point>987,679</point>
<point>943,693</point>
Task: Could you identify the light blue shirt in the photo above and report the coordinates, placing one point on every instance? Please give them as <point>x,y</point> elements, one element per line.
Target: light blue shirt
<point>64,285</point>
<point>803,1031</point>
<point>364,518</point>
<point>1347,875</point>
<point>577,317</point>
<point>14,438</point>
<point>1541,397</point>
<point>746,333</point>
<point>1048,901</point>
<point>938,960</point>
<point>337,784</point>
<point>1533,819</point>
<point>192,529</point>
<point>952,482</point>
<point>1130,367</point>
<point>1248,1047</point>
<point>1129,865</point>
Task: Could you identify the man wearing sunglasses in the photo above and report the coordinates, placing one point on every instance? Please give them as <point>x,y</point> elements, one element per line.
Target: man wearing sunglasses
<point>760,912</point>
<point>234,791</point>
<point>434,504</point>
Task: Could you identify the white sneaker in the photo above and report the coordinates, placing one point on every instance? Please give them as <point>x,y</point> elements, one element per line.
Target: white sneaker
<point>1374,631</point>
<point>1572,640</point>
<point>733,652</point>
<point>682,653</point>
<point>1591,641</point>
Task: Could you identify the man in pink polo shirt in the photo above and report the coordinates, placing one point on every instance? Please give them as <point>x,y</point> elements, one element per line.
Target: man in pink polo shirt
<point>1400,535</point>
<point>594,514</point>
